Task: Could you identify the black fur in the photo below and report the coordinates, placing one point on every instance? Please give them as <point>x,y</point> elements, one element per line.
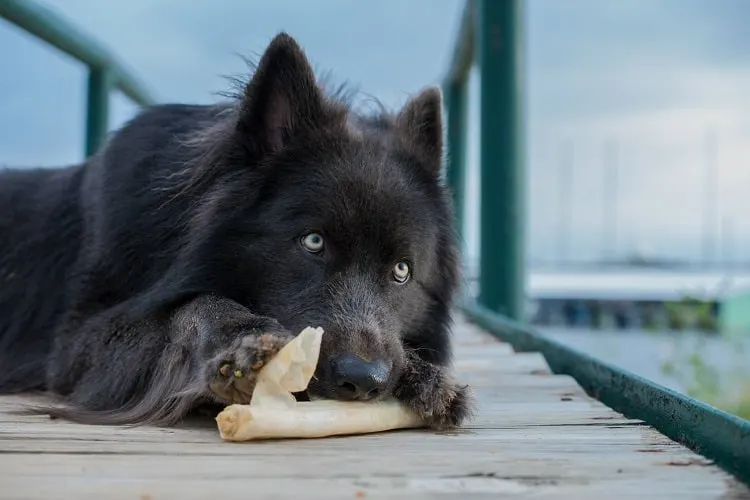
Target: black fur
<point>164,271</point>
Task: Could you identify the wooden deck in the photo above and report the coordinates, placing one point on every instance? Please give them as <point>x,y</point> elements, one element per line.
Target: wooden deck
<point>536,435</point>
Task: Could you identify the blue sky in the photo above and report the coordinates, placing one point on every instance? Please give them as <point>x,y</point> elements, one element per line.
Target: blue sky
<point>654,76</point>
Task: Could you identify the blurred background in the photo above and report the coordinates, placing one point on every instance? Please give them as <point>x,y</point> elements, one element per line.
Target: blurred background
<point>637,143</point>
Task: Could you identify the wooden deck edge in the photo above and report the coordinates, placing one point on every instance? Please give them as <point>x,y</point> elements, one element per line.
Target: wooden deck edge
<point>716,435</point>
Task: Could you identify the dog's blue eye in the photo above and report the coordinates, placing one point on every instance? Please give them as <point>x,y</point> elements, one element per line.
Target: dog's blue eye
<point>401,272</point>
<point>313,242</point>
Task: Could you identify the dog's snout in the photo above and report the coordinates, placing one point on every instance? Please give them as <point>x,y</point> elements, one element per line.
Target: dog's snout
<point>359,379</point>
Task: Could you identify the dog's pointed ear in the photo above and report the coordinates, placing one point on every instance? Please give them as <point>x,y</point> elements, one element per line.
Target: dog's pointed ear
<point>420,124</point>
<point>282,98</point>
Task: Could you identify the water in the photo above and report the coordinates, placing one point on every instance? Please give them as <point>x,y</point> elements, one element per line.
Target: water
<point>645,353</point>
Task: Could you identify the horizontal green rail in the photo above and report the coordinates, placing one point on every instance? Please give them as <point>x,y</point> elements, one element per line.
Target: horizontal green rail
<point>106,73</point>
<point>490,37</point>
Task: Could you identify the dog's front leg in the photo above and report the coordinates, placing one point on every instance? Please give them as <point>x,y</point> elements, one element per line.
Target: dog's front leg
<point>116,369</point>
<point>231,344</point>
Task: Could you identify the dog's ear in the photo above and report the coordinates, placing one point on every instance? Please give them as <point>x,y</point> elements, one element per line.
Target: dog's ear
<point>420,124</point>
<point>282,98</point>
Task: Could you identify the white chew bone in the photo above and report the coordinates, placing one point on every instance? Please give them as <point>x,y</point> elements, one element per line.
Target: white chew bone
<point>274,412</point>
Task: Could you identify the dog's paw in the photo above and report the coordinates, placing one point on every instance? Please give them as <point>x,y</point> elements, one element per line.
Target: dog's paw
<point>444,405</point>
<point>452,406</point>
<point>431,392</point>
<point>233,371</point>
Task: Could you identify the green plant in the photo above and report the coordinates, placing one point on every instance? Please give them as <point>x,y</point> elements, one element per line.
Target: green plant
<point>725,386</point>
<point>691,312</point>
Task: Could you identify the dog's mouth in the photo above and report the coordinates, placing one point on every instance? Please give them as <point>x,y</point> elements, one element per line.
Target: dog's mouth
<point>310,395</point>
<point>301,396</point>
<point>316,390</point>
<point>306,397</point>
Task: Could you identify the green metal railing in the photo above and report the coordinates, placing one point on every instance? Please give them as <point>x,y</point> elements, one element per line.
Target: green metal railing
<point>490,36</point>
<point>105,72</point>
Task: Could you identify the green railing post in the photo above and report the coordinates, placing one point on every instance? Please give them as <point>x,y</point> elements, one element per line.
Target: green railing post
<point>455,102</point>
<point>498,28</point>
<point>97,108</point>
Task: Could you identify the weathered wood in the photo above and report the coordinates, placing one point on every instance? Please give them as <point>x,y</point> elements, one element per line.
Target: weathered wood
<point>536,434</point>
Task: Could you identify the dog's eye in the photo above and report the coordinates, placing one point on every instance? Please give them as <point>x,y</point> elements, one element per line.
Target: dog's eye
<point>401,272</point>
<point>313,242</point>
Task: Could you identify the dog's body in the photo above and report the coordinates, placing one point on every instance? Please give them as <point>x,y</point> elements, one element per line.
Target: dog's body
<point>168,268</point>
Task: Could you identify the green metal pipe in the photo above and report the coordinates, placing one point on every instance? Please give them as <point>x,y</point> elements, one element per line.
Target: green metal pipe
<point>455,102</point>
<point>498,31</point>
<point>97,109</point>
<point>58,32</point>
<point>463,50</point>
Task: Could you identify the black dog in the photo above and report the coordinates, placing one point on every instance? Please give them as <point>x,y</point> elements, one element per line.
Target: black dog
<point>163,272</point>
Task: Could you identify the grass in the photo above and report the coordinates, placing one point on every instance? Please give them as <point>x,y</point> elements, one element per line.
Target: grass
<point>727,388</point>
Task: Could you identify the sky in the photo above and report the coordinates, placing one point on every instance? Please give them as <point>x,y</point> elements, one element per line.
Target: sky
<point>651,80</point>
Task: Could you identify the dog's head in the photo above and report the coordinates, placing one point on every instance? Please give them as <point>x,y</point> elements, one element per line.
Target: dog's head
<point>339,221</point>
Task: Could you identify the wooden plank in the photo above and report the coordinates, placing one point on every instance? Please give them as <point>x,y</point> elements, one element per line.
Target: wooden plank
<point>574,438</point>
<point>536,434</point>
<point>522,363</point>
<point>367,487</point>
<point>316,475</point>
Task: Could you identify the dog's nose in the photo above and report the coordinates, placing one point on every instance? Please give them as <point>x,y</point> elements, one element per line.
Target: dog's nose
<point>359,379</point>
